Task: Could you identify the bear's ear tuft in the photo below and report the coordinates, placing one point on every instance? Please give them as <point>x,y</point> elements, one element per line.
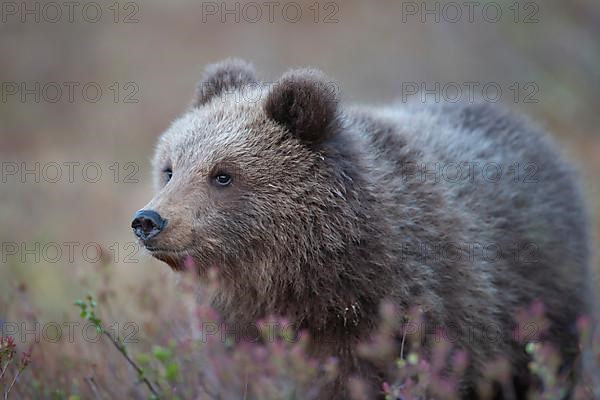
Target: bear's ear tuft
<point>227,75</point>
<point>305,103</point>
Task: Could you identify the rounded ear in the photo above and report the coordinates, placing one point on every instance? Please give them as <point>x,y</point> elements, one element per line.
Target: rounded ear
<point>305,103</point>
<point>225,76</point>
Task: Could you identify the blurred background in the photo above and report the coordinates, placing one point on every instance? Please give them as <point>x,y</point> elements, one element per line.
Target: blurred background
<point>87,88</point>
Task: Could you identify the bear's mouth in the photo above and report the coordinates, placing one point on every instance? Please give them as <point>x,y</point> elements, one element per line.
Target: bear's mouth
<point>173,260</point>
<point>178,260</point>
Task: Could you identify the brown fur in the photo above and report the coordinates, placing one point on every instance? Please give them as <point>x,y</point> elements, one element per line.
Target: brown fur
<point>327,216</point>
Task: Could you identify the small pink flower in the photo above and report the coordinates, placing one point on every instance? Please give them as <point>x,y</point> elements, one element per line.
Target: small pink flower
<point>26,358</point>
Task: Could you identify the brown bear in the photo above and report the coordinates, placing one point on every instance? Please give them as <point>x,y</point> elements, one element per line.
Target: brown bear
<point>318,213</point>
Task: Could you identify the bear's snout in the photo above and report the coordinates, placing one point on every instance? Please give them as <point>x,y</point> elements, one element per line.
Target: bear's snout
<point>147,224</point>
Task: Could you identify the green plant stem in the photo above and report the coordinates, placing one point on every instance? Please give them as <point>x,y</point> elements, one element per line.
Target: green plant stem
<point>92,385</point>
<point>139,371</point>
<point>12,383</point>
<point>3,371</point>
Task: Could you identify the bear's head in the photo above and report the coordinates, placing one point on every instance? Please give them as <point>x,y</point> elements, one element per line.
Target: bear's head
<point>250,181</point>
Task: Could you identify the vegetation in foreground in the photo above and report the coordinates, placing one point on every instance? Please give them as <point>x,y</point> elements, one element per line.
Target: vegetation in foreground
<point>176,347</point>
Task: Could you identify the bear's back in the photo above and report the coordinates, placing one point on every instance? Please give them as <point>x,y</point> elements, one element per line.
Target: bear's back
<point>519,203</point>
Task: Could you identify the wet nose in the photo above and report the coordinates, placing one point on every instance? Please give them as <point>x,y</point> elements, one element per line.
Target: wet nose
<point>147,223</point>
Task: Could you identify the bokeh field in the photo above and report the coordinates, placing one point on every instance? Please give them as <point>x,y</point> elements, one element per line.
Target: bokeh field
<point>84,94</point>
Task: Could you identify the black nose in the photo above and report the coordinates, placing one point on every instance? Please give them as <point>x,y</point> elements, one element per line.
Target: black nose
<point>147,223</point>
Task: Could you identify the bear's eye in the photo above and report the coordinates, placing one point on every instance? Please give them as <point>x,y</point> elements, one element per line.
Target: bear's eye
<point>223,179</point>
<point>168,173</point>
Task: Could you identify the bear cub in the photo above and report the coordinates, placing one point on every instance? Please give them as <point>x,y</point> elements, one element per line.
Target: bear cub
<point>319,213</point>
